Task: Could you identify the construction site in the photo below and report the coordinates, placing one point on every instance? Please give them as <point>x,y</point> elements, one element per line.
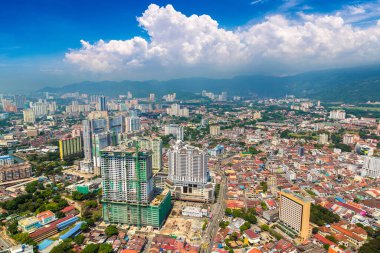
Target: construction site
<point>128,192</point>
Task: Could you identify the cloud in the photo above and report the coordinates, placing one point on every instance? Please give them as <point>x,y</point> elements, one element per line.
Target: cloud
<point>257,2</point>
<point>354,10</point>
<point>197,44</point>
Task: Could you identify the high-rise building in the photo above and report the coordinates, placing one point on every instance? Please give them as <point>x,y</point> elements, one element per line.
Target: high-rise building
<point>29,116</point>
<point>70,146</point>
<point>215,130</point>
<point>20,101</point>
<point>152,144</point>
<point>128,195</point>
<point>117,124</point>
<point>371,167</point>
<point>132,124</point>
<point>188,173</point>
<point>95,137</point>
<point>337,114</point>
<point>152,97</point>
<point>175,130</point>
<point>323,138</point>
<point>176,110</point>
<point>294,214</point>
<point>101,104</point>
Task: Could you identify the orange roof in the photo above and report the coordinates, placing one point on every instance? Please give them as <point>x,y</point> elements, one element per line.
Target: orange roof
<point>45,214</point>
<point>129,251</point>
<point>254,250</point>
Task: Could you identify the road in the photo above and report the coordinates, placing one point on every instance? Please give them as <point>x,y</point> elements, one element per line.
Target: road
<point>218,211</point>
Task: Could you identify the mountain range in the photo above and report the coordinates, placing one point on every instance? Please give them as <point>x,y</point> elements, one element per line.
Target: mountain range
<point>360,84</point>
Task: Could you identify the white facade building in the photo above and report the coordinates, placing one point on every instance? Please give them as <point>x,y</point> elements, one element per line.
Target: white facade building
<point>371,167</point>
<point>175,130</point>
<point>337,114</point>
<point>132,124</point>
<point>188,173</point>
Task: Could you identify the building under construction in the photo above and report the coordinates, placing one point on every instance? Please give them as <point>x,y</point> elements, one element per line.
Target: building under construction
<point>128,192</point>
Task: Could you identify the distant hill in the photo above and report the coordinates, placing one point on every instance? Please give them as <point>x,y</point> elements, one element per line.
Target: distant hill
<point>346,85</point>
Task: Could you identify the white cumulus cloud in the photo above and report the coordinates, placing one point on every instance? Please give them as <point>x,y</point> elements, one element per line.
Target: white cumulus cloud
<point>177,41</point>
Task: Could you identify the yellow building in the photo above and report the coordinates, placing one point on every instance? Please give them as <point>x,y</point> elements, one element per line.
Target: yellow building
<point>294,214</point>
<point>70,146</point>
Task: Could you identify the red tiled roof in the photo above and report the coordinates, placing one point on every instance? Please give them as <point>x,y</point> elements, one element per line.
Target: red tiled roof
<point>50,227</point>
<point>323,239</point>
<point>67,209</point>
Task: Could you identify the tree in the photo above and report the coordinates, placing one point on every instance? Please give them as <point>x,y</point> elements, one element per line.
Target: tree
<point>245,226</point>
<point>321,216</point>
<point>223,224</point>
<point>79,239</point>
<point>31,187</point>
<point>315,230</point>
<point>77,195</point>
<point>332,238</point>
<point>111,230</point>
<point>105,248</point>
<point>373,246</point>
<point>91,248</point>
<point>264,185</point>
<point>228,211</point>
<point>84,226</point>
<point>64,247</point>
<point>24,238</point>
<point>59,214</point>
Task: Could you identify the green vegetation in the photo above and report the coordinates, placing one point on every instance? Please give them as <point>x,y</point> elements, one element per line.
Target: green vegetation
<point>248,215</point>
<point>79,239</point>
<point>263,205</point>
<point>217,190</point>
<point>373,246</point>
<point>111,230</point>
<point>271,231</point>
<point>332,238</point>
<point>264,185</point>
<point>98,248</point>
<point>224,224</point>
<point>41,200</point>
<point>245,226</point>
<point>64,247</point>
<point>321,216</point>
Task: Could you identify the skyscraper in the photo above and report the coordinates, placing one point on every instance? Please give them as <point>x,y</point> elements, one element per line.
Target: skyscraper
<point>294,214</point>
<point>101,104</point>
<point>69,146</point>
<point>188,173</point>
<point>29,116</point>
<point>175,130</point>
<point>152,144</point>
<point>20,101</point>
<point>132,124</point>
<point>128,195</point>
<point>95,137</point>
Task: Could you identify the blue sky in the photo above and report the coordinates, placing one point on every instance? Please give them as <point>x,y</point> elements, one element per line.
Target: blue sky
<point>40,40</point>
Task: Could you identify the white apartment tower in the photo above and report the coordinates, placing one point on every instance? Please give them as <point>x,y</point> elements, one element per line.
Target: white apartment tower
<point>188,173</point>
<point>29,116</point>
<point>371,167</point>
<point>337,114</point>
<point>132,124</point>
<point>175,130</point>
